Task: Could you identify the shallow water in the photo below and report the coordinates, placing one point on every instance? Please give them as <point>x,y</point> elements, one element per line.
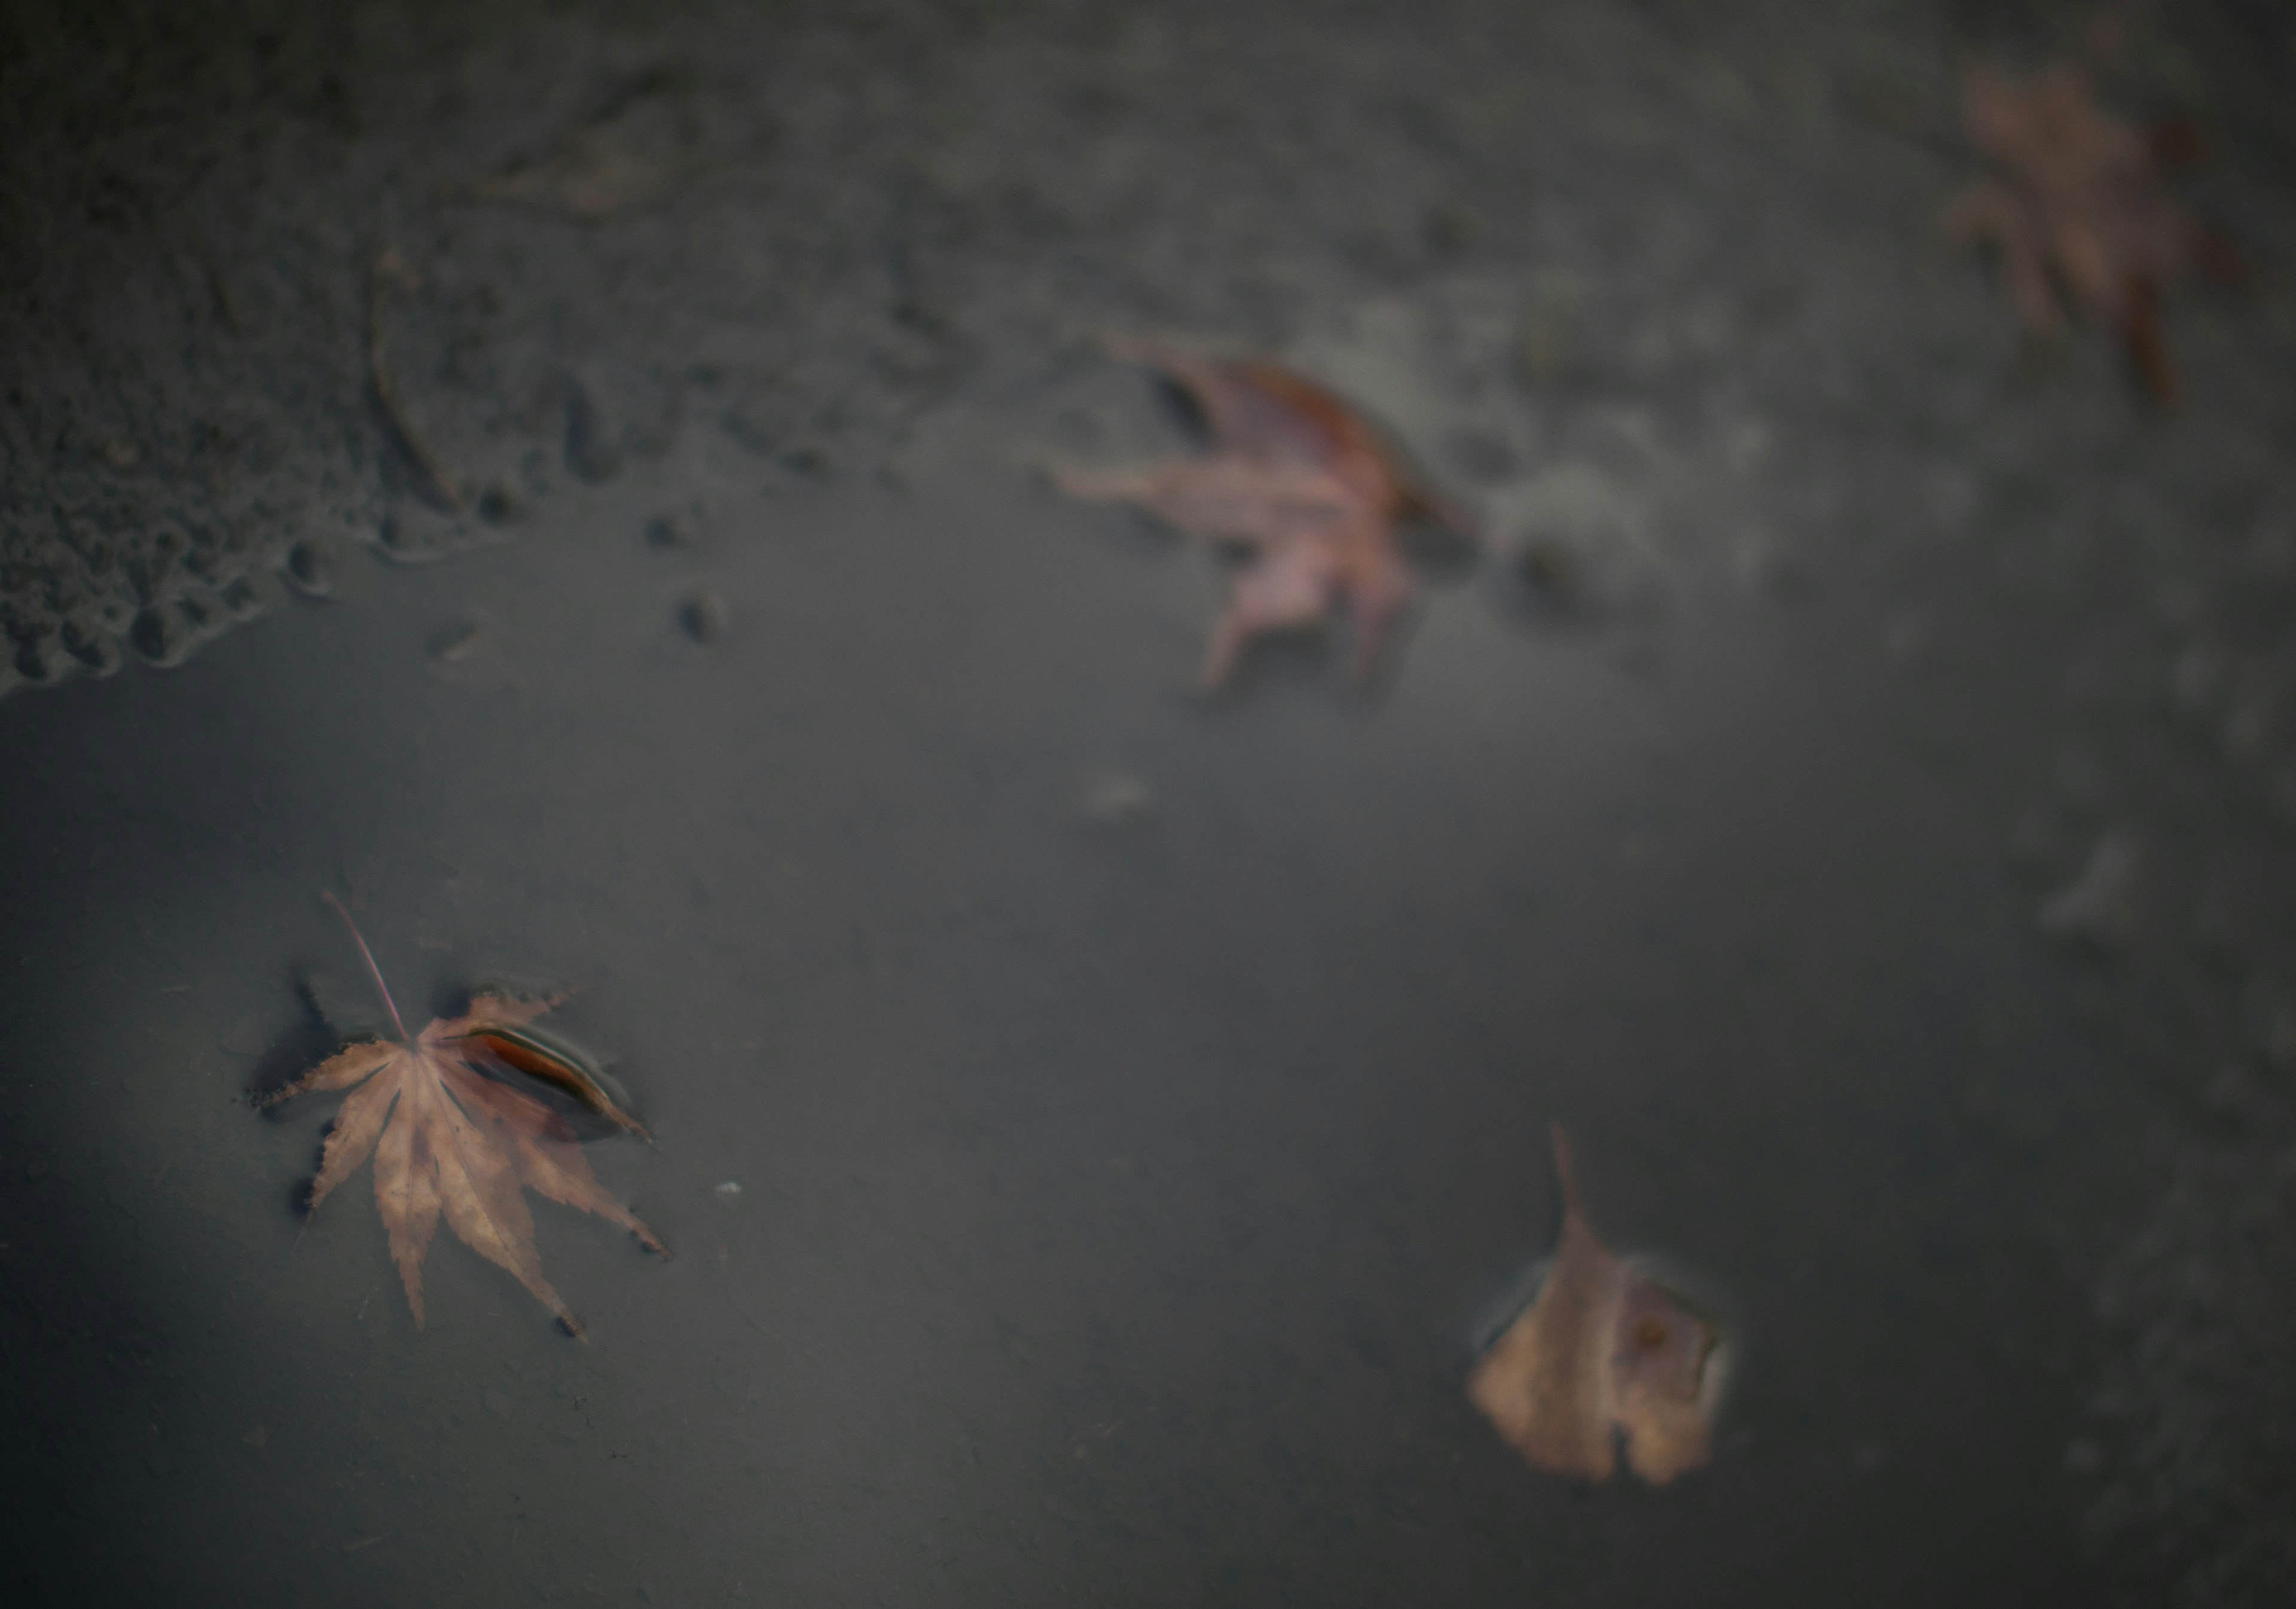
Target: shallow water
<point>1137,1100</point>
<point>1117,1197</point>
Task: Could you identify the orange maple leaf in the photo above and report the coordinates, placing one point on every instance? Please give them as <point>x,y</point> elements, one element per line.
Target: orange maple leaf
<point>446,1138</point>
<point>1298,477</point>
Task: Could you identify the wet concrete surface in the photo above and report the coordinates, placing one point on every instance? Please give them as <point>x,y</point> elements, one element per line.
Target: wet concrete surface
<point>1873,854</point>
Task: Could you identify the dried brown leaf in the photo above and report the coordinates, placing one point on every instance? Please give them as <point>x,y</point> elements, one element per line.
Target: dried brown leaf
<point>1296,476</point>
<point>2079,208</point>
<point>1603,1352</point>
<point>448,1140</point>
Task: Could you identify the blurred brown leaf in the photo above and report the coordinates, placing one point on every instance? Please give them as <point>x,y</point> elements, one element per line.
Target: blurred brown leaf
<point>1603,1351</point>
<point>2080,211</point>
<point>1300,479</point>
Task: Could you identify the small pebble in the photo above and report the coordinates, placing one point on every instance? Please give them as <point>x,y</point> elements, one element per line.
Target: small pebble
<point>1118,799</point>
<point>703,615</point>
<point>456,641</point>
<point>243,600</point>
<point>202,610</point>
<point>409,532</point>
<point>96,648</point>
<point>592,454</point>
<point>160,636</point>
<point>310,567</point>
<point>498,506</point>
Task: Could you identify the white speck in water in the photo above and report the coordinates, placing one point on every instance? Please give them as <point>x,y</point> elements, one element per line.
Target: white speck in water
<point>1117,798</point>
<point>728,1192</point>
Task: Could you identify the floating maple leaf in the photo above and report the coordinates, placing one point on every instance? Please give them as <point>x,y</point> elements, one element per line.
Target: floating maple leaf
<point>1603,1350</point>
<point>2079,208</point>
<point>446,1138</point>
<point>1298,477</point>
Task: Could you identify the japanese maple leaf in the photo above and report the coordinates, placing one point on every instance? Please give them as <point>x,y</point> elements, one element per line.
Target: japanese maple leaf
<point>2080,211</point>
<point>1295,476</point>
<point>448,1138</point>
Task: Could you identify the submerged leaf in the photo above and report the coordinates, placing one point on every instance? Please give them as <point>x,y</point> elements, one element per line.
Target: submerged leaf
<point>1603,1351</point>
<point>449,1140</point>
<point>2080,211</point>
<point>1296,476</point>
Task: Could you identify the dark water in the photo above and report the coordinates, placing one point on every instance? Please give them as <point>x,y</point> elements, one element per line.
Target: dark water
<point>1116,1197</point>
<point>1136,1100</point>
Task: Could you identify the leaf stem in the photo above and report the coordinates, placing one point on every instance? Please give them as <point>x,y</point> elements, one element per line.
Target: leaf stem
<point>375,972</point>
